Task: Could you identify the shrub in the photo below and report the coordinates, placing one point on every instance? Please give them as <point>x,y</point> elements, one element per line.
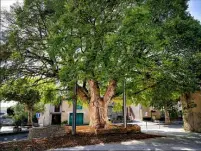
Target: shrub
<point>64,123</point>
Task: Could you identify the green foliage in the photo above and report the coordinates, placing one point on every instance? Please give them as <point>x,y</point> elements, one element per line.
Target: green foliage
<point>118,104</point>
<point>64,123</point>
<point>49,93</point>
<point>173,114</point>
<point>21,91</point>
<point>20,114</point>
<point>39,107</point>
<point>150,43</point>
<point>31,92</point>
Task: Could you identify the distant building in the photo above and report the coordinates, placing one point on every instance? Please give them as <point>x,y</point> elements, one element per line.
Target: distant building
<point>63,114</point>
<point>137,112</point>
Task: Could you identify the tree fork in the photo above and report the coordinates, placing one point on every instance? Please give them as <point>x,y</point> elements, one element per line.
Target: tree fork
<point>99,105</point>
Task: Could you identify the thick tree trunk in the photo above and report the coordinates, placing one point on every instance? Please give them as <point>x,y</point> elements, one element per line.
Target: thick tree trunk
<point>98,113</point>
<point>191,118</point>
<point>98,105</point>
<point>167,117</point>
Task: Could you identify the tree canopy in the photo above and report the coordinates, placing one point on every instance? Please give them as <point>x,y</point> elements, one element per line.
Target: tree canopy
<point>147,42</point>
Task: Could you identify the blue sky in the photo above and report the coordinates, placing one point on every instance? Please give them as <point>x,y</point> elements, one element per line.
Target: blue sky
<point>195,9</point>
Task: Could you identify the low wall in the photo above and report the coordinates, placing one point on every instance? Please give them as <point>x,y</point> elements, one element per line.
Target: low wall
<point>49,131</point>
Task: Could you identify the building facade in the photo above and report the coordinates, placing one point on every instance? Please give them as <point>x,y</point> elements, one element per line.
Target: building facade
<point>63,114</point>
<point>135,112</point>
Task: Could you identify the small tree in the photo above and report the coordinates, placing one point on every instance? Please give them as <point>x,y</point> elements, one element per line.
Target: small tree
<point>20,114</point>
<point>165,97</point>
<point>21,91</point>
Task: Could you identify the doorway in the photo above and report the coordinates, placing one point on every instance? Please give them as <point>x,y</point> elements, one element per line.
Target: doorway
<point>79,118</point>
<point>56,119</point>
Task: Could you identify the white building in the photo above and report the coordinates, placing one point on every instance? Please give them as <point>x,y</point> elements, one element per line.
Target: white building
<point>63,114</point>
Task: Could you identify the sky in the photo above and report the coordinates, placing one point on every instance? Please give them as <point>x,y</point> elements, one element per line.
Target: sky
<point>194,9</point>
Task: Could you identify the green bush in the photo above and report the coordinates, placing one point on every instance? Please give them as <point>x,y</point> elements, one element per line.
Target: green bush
<point>173,114</point>
<point>64,123</point>
<point>20,115</point>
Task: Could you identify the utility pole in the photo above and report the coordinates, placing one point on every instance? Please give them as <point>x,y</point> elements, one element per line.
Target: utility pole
<point>74,109</point>
<point>124,104</point>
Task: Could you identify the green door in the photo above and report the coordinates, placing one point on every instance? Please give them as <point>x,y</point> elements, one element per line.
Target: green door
<point>79,118</point>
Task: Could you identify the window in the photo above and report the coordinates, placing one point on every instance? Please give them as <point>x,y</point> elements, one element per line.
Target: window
<point>57,108</point>
<point>79,107</point>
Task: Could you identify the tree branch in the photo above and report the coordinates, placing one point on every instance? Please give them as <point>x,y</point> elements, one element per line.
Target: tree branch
<point>110,91</point>
<point>151,86</point>
<point>82,94</point>
<point>94,89</point>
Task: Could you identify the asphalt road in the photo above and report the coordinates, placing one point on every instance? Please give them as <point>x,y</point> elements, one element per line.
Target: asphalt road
<point>13,137</point>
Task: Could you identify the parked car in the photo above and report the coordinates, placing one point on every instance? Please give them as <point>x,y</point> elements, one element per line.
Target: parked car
<point>2,114</point>
<point>6,121</point>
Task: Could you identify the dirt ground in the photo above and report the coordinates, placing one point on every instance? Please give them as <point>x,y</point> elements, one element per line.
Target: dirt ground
<point>84,136</point>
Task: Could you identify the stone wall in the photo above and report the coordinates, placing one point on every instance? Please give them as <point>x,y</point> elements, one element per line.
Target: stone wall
<point>49,131</point>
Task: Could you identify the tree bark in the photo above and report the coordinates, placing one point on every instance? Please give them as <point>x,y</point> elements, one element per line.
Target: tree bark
<point>98,105</point>
<point>188,116</point>
<point>30,115</point>
<point>167,117</point>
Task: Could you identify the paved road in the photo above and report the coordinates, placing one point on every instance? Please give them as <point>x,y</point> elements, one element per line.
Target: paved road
<point>176,139</point>
<point>13,137</point>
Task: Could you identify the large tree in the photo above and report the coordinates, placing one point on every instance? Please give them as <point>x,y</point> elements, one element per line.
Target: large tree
<point>100,43</point>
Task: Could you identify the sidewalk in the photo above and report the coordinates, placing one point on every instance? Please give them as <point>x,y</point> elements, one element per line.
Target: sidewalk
<point>176,139</point>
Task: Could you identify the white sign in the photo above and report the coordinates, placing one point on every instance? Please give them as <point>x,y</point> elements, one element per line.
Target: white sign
<point>37,115</point>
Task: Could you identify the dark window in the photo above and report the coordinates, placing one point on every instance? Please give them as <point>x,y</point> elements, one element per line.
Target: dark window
<point>57,108</point>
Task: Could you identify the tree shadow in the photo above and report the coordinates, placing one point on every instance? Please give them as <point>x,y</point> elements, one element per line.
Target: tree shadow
<point>167,143</point>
